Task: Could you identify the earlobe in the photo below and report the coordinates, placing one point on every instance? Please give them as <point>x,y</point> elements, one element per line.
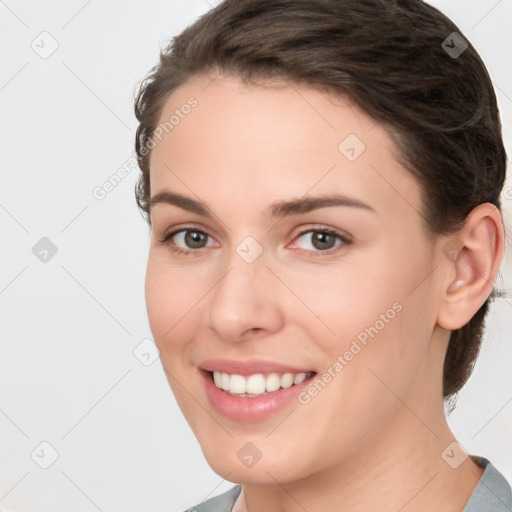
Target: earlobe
<point>472,267</point>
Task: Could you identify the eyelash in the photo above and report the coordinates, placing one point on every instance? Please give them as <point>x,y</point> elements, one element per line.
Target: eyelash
<point>166,237</point>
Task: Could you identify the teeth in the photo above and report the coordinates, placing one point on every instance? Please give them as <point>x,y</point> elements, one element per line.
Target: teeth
<point>287,380</point>
<point>237,384</point>
<point>225,382</point>
<point>273,382</point>
<point>300,377</point>
<point>257,384</point>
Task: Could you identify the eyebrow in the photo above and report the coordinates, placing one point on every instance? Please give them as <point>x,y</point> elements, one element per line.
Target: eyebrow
<point>278,209</point>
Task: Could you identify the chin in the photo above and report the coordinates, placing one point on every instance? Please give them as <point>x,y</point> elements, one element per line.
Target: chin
<point>243,463</point>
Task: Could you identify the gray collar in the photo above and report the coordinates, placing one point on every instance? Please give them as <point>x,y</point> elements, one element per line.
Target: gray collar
<point>492,493</point>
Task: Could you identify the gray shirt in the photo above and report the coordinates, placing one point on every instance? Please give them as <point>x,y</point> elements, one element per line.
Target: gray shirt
<point>492,494</point>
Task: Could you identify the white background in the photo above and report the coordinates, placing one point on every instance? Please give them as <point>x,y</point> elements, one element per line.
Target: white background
<point>69,326</point>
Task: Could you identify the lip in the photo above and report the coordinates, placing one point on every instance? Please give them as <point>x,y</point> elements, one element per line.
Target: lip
<point>245,408</point>
<point>248,367</point>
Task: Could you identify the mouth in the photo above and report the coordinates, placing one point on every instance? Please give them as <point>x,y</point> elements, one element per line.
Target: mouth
<point>252,390</point>
<point>258,384</point>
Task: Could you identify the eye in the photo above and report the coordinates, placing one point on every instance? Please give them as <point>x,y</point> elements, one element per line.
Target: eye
<point>185,241</point>
<point>322,240</point>
<point>189,241</point>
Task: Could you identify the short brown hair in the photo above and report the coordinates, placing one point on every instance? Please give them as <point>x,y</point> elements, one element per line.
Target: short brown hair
<point>390,58</point>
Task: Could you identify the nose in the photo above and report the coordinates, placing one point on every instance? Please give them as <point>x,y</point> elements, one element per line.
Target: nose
<point>245,302</point>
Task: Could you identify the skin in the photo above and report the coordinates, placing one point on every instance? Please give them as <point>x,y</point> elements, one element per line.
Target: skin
<point>375,434</point>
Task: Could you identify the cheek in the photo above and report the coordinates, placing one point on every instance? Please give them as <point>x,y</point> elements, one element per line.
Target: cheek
<point>172,303</point>
<point>387,323</point>
<point>345,303</point>
<point>173,307</point>
<point>380,310</point>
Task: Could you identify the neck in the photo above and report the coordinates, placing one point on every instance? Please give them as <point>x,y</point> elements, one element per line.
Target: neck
<point>401,470</point>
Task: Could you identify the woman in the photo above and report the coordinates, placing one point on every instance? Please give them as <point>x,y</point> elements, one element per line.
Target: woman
<point>322,180</point>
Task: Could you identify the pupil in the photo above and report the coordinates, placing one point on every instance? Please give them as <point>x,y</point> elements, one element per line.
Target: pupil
<point>194,239</point>
<point>321,240</point>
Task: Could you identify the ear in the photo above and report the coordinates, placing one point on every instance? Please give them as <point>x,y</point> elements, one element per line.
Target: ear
<point>471,259</point>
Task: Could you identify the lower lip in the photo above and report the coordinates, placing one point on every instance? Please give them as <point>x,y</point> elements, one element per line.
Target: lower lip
<point>250,409</point>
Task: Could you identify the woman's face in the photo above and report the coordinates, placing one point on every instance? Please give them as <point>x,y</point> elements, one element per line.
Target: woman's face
<point>298,248</point>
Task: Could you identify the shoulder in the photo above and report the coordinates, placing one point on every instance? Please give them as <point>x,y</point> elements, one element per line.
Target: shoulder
<point>222,503</point>
<point>492,493</point>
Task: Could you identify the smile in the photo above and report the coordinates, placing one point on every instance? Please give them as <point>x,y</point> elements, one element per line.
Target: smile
<point>252,390</point>
<point>256,385</point>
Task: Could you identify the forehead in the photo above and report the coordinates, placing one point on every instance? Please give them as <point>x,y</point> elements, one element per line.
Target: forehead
<point>274,140</point>
<point>255,114</point>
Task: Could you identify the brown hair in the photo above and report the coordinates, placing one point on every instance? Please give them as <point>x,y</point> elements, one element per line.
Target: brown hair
<point>392,58</point>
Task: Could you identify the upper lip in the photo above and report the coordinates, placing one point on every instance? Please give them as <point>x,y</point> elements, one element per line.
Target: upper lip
<point>248,367</point>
